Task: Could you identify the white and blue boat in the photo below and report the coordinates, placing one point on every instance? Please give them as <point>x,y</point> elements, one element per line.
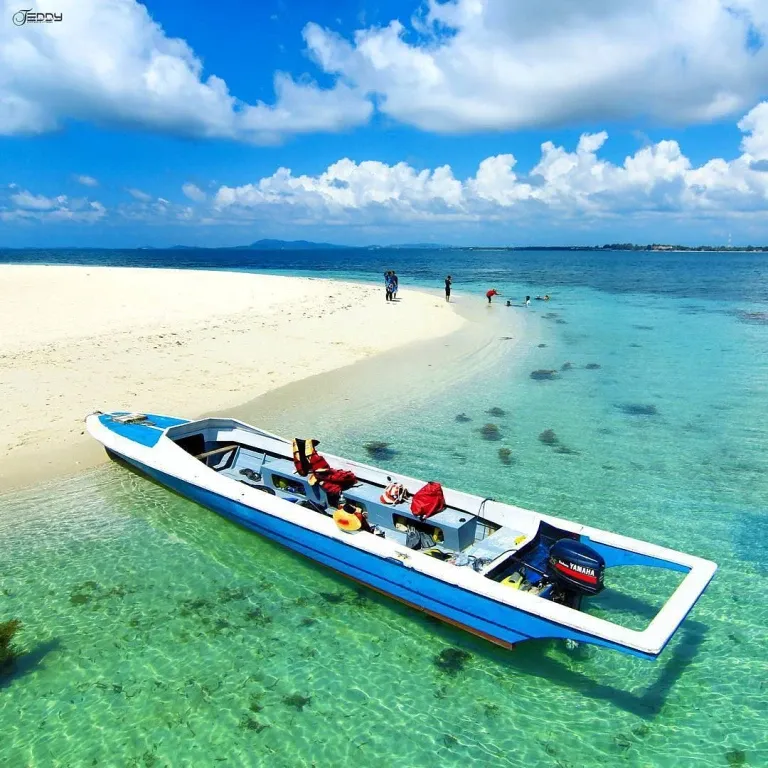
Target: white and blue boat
<point>501,572</point>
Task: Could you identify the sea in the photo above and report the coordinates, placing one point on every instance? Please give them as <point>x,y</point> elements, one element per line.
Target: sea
<point>158,634</point>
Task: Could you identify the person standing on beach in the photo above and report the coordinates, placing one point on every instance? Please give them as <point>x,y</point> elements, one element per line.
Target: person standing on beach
<point>527,300</point>
<point>395,285</point>
<point>388,285</point>
<point>448,288</point>
<point>490,294</point>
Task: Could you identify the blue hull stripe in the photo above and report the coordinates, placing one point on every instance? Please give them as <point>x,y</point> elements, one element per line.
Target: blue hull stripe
<point>478,613</point>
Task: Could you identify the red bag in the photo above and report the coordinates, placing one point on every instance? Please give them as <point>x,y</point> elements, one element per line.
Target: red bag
<point>428,501</point>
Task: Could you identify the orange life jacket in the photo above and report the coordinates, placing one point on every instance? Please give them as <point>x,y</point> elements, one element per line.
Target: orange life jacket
<point>308,462</point>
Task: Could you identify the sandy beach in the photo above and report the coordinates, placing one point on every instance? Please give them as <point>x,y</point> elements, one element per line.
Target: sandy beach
<point>182,342</point>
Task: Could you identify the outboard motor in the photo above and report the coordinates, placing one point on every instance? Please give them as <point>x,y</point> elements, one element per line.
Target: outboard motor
<point>576,568</point>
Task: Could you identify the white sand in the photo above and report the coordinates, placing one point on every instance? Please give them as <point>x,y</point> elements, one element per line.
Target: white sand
<point>184,343</point>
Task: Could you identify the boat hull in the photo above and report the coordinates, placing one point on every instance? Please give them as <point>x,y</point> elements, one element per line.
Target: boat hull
<point>498,623</point>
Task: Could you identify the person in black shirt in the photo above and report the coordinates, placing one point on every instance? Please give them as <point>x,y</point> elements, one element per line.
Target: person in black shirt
<point>448,288</point>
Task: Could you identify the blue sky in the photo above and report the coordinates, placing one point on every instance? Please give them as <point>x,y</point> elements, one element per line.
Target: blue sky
<point>460,121</point>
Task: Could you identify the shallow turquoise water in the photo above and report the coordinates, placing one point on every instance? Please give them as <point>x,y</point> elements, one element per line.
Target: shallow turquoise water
<point>159,634</point>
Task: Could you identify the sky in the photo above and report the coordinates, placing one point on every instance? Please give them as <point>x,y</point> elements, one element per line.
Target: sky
<point>468,122</point>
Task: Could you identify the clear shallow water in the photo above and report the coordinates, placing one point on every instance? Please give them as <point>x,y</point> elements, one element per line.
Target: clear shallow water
<point>162,635</point>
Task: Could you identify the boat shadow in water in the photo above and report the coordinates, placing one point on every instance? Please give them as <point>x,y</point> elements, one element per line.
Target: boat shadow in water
<point>533,658</point>
<point>28,661</point>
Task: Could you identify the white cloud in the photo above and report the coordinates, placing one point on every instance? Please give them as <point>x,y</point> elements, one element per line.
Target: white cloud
<point>109,63</point>
<point>508,64</point>
<point>87,181</point>
<point>574,184</point>
<point>29,202</point>
<point>138,194</point>
<point>28,207</point>
<point>193,192</point>
<point>658,178</point>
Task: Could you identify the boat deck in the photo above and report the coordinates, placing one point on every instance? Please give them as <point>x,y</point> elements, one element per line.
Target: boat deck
<point>454,530</point>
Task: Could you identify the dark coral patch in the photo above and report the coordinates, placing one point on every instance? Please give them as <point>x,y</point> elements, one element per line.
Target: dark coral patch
<point>490,432</point>
<point>548,437</point>
<point>297,701</point>
<point>8,651</point>
<point>377,449</point>
<point>452,660</point>
<point>638,409</point>
<point>543,374</point>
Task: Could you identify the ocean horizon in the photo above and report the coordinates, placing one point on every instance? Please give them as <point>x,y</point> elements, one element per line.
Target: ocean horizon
<point>157,631</point>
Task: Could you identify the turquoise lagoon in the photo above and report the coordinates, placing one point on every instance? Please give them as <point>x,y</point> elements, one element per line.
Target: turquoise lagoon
<point>158,634</point>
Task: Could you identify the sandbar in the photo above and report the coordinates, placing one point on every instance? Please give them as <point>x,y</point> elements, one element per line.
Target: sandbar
<point>75,339</point>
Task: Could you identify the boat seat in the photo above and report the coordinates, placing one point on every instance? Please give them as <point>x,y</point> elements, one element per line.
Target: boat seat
<point>499,542</point>
<point>458,527</point>
<point>282,466</point>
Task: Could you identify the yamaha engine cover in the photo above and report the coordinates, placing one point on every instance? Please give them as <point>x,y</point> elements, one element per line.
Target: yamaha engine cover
<point>575,567</point>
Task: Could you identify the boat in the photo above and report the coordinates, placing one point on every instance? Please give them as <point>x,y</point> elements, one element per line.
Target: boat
<point>504,573</point>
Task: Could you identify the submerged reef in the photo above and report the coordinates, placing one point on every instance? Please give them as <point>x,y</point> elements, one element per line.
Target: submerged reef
<point>638,409</point>
<point>496,412</point>
<point>451,660</point>
<point>757,318</point>
<point>377,449</point>
<point>592,366</point>
<point>252,724</point>
<point>505,456</point>
<point>544,374</point>
<point>297,701</point>
<point>548,437</point>
<point>490,432</point>
<point>462,418</point>
<point>566,366</point>
<point>8,651</point>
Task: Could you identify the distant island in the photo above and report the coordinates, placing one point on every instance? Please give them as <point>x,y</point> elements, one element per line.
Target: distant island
<point>308,245</point>
<point>269,245</point>
<point>299,245</point>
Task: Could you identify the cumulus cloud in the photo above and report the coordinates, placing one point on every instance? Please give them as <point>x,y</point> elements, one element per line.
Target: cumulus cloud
<point>507,64</point>
<point>658,178</point>
<point>138,194</point>
<point>25,206</point>
<point>87,181</point>
<point>566,184</point>
<point>193,192</point>
<point>110,63</point>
